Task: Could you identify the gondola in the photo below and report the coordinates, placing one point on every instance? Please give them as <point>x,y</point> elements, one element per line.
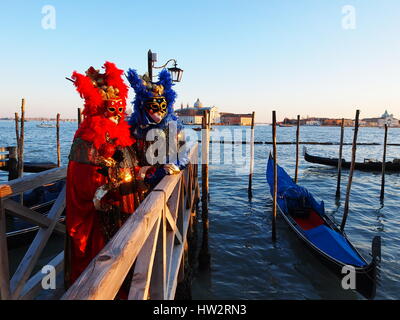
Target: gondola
<point>367,165</point>
<point>307,218</point>
<point>19,232</point>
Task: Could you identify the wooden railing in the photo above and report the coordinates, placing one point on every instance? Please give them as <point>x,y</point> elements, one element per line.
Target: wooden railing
<point>22,284</point>
<point>152,243</point>
<point>155,236</point>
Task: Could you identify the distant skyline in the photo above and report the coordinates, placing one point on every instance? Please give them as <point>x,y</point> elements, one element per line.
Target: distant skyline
<point>307,57</point>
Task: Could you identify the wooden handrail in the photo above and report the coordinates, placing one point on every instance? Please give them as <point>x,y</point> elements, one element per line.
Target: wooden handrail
<point>33,181</point>
<point>105,274</point>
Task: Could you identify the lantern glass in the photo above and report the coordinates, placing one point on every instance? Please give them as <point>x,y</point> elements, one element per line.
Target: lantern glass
<point>176,74</point>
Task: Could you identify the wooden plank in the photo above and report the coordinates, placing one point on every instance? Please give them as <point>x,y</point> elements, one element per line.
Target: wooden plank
<point>3,149</point>
<point>140,284</point>
<point>177,257</point>
<point>170,237</point>
<point>172,202</point>
<point>32,181</point>
<point>18,210</point>
<point>34,284</point>
<point>173,225</point>
<point>158,283</point>
<point>29,261</point>
<point>4,266</point>
<point>4,156</point>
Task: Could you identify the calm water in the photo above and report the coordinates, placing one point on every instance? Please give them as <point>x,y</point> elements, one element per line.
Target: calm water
<point>245,264</point>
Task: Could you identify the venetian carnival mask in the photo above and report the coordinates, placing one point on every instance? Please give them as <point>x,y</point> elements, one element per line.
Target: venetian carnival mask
<point>114,110</point>
<point>156,108</point>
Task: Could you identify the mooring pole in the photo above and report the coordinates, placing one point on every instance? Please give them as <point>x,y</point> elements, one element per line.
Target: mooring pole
<point>353,160</point>
<point>17,137</point>
<point>58,141</point>
<point>250,192</point>
<point>340,159</point>
<point>297,149</point>
<point>384,163</point>
<point>12,163</point>
<point>21,141</point>
<point>79,117</point>
<point>204,255</point>
<point>275,176</point>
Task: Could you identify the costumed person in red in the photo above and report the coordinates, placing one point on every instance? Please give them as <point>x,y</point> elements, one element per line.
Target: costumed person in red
<point>102,186</point>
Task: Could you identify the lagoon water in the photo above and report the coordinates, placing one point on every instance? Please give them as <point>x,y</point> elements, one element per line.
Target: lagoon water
<point>245,263</point>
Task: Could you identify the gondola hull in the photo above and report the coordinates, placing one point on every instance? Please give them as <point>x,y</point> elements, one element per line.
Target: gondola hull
<point>322,237</point>
<point>362,166</point>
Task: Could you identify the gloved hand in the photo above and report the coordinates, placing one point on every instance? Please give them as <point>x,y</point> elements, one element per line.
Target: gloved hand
<point>171,168</point>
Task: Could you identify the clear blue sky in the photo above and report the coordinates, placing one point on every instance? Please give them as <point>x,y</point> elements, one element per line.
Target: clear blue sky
<point>290,55</point>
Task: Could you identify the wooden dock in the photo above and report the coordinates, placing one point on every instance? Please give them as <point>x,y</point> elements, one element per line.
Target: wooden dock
<point>153,241</point>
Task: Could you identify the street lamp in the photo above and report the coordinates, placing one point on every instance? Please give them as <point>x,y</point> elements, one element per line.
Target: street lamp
<point>176,73</point>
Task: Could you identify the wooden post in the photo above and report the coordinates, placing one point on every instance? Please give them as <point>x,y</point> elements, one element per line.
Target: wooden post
<point>21,141</point>
<point>4,266</point>
<point>205,159</point>
<point>384,163</point>
<point>58,141</point>
<point>275,176</point>
<point>150,64</point>
<point>297,149</point>
<point>18,139</point>
<point>250,192</point>
<point>353,160</point>
<point>12,164</point>
<point>79,117</point>
<point>340,159</point>
<point>204,256</point>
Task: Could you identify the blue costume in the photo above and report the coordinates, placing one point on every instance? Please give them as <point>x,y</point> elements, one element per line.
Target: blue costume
<point>153,109</point>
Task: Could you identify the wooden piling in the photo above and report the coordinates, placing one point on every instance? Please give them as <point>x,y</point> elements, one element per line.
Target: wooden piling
<point>58,141</point>
<point>17,138</point>
<point>340,159</point>
<point>21,141</point>
<point>275,176</point>
<point>250,192</point>
<point>4,264</point>
<point>204,255</point>
<point>297,149</point>
<point>353,160</point>
<point>12,163</point>
<point>79,117</point>
<point>384,163</point>
<point>205,159</point>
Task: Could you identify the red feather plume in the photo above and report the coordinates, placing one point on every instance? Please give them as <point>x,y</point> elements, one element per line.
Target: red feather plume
<point>89,92</point>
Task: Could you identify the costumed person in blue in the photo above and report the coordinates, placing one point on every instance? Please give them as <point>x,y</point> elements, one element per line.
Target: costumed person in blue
<point>153,109</point>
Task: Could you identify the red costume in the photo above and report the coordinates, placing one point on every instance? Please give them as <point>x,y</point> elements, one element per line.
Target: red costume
<point>102,186</point>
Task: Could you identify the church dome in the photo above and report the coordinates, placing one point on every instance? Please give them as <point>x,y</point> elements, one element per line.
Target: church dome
<point>198,104</point>
<point>386,115</point>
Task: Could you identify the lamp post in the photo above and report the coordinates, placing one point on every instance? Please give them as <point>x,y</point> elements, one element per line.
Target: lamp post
<point>176,73</point>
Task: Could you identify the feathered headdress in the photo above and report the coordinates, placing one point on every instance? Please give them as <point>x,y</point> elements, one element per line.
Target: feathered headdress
<point>96,87</point>
<point>100,90</point>
<point>145,89</point>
